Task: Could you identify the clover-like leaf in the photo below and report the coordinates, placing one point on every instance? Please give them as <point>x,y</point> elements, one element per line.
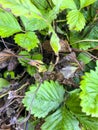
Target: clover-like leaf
<point>76,20</point>
<point>47,98</point>
<point>89,93</point>
<point>8,24</point>
<point>62,119</point>
<point>28,40</point>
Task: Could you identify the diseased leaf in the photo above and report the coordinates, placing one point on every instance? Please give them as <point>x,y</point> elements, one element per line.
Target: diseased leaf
<point>76,20</point>
<point>54,42</point>
<point>21,8</point>
<point>62,119</point>
<point>89,93</point>
<point>73,103</point>
<point>48,98</point>
<point>84,3</point>
<point>68,71</point>
<point>8,24</point>
<point>28,40</point>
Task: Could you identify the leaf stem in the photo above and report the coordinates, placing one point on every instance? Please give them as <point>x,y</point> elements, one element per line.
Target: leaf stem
<point>86,40</point>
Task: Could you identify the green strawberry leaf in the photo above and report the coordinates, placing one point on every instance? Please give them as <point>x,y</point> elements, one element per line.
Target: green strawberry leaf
<point>28,40</point>
<point>8,24</point>
<point>48,98</point>
<point>62,119</point>
<point>75,20</point>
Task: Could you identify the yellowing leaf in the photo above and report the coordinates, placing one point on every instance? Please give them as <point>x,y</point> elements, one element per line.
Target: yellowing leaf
<point>8,24</point>
<point>76,20</point>
<point>54,42</point>
<point>21,7</point>
<point>28,40</point>
<point>84,3</point>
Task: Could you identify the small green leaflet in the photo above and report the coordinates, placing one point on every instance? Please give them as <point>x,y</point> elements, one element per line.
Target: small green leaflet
<point>89,93</point>
<point>84,3</point>
<point>62,119</point>
<point>8,24</point>
<point>65,4</point>
<point>76,20</point>
<point>48,98</point>
<point>28,40</point>
<point>20,8</point>
<point>3,83</point>
<point>73,104</point>
<point>54,42</point>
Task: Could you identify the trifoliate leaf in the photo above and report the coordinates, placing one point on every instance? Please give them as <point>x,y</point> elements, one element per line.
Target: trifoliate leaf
<point>54,42</point>
<point>84,3</point>
<point>73,103</point>
<point>89,93</point>
<point>28,40</point>
<point>8,24</point>
<point>21,8</point>
<point>32,24</point>
<point>3,83</point>
<point>62,119</point>
<point>65,4</point>
<point>47,98</point>
<point>76,20</point>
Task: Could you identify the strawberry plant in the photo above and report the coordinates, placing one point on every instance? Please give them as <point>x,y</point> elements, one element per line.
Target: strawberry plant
<point>55,48</point>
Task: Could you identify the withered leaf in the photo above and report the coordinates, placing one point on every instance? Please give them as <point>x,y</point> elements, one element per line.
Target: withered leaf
<point>5,56</point>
